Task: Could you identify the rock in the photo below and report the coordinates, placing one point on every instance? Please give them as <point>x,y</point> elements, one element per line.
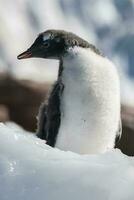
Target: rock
<point>22,99</point>
<point>4,113</point>
<point>126,143</point>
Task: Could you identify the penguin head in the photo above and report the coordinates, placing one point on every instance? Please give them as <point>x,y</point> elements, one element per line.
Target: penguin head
<point>53,44</point>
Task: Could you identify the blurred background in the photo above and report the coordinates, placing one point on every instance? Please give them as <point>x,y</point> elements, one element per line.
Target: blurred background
<point>108,24</point>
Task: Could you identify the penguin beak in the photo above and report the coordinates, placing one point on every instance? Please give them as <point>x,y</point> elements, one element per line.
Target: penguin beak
<point>34,50</point>
<point>25,54</point>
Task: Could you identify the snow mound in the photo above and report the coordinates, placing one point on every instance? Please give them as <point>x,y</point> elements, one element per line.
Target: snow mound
<point>31,170</point>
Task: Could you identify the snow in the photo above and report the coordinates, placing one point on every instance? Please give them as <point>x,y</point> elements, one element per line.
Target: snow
<point>29,169</point>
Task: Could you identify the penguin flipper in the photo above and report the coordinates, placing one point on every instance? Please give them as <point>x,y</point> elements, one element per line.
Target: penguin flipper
<point>54,114</point>
<point>49,116</point>
<point>42,120</point>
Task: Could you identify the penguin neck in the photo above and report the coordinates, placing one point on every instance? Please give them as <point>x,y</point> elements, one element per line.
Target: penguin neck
<point>85,103</point>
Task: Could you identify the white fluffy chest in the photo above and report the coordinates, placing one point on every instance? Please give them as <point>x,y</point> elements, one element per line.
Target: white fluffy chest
<point>90,104</point>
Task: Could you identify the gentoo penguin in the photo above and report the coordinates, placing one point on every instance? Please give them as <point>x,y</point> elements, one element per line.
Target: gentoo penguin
<point>82,113</point>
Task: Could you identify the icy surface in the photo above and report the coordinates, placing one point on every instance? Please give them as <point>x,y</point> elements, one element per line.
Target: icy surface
<point>31,170</point>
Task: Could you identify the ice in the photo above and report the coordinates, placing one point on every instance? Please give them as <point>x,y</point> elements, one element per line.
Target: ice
<point>29,169</point>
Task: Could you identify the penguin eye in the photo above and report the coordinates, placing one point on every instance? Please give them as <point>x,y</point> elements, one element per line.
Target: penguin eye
<point>46,44</point>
